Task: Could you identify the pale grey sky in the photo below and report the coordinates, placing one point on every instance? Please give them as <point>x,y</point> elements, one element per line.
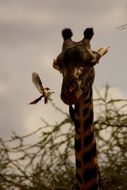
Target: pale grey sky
<point>30,38</point>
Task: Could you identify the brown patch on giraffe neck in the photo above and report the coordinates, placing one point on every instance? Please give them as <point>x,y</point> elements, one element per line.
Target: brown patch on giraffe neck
<point>85,146</point>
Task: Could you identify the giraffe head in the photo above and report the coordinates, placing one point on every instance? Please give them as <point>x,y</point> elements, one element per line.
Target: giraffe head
<point>74,65</point>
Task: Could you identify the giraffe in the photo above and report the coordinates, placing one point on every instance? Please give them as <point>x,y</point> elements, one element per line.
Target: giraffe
<point>76,63</point>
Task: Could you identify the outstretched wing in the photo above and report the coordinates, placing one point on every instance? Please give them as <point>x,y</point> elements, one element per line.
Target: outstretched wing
<point>36,100</point>
<point>37,81</point>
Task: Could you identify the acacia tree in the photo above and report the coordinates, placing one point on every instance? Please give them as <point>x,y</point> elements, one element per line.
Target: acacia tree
<point>48,163</point>
<point>122,27</point>
<point>111,131</point>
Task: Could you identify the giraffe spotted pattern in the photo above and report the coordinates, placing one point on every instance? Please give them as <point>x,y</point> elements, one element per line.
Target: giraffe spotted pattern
<point>87,176</point>
<point>76,64</point>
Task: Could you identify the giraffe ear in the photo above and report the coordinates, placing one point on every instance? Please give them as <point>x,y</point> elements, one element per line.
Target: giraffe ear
<point>88,33</point>
<point>67,33</point>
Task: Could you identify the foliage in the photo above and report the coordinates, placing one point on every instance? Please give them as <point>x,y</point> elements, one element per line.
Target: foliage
<point>111,131</point>
<point>44,159</point>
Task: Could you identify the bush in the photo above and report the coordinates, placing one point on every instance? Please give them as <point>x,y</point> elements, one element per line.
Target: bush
<point>48,163</point>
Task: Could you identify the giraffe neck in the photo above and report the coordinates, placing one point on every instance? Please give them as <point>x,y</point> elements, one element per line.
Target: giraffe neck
<point>87,173</point>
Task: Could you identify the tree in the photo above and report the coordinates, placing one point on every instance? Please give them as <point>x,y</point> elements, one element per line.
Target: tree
<point>112,147</point>
<point>48,163</point>
<point>122,27</point>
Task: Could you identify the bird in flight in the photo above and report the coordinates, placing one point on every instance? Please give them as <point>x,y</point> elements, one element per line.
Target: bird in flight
<point>44,91</point>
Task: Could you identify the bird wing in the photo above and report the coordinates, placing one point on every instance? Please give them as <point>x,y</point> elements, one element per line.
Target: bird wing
<point>36,100</point>
<point>37,81</point>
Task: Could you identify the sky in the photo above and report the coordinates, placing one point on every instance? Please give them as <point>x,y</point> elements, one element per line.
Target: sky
<point>30,38</point>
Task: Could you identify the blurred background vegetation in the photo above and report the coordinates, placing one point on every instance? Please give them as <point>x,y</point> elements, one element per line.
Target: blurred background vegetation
<point>45,159</point>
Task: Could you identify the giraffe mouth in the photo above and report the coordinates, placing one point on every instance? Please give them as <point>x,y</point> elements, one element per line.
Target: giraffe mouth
<point>70,92</point>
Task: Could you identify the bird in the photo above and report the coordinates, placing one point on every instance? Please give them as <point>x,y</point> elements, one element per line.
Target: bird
<point>44,91</point>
